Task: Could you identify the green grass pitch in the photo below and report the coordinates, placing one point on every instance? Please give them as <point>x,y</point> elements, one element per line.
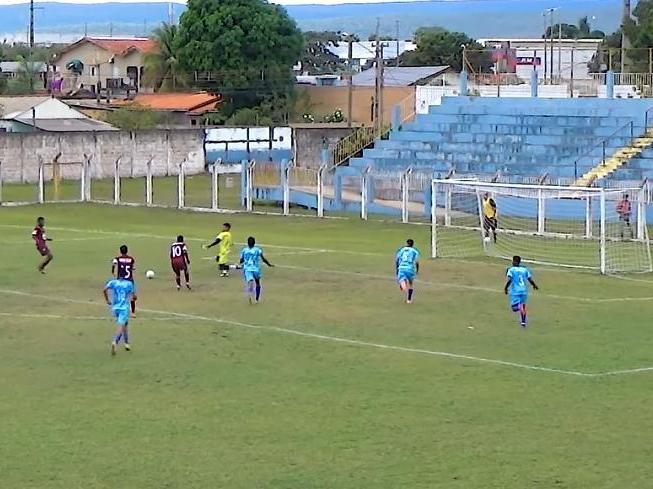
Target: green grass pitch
<point>330,382</point>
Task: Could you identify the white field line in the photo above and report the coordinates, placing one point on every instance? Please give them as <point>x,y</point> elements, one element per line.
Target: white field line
<point>633,279</point>
<point>201,240</point>
<point>361,274</point>
<point>349,341</point>
<point>28,239</point>
<point>72,318</point>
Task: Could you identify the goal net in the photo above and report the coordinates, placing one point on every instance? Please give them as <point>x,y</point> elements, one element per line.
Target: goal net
<point>593,228</point>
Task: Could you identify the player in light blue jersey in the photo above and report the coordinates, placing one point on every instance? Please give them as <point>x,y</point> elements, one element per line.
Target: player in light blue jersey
<point>406,267</point>
<point>250,261</point>
<point>122,293</point>
<point>517,286</point>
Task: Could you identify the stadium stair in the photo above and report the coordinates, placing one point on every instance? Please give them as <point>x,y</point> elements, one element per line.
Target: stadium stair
<point>520,136</point>
<point>619,159</point>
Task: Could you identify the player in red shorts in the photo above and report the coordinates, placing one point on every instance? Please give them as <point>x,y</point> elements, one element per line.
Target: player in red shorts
<point>179,261</point>
<point>41,242</point>
<point>123,267</point>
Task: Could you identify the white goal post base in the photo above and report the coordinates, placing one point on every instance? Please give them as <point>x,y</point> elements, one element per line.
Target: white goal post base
<point>577,227</point>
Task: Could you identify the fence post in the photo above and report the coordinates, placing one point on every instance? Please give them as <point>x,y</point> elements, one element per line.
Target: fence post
<point>609,84</point>
<point>364,189</point>
<point>603,157</point>
<point>41,193</point>
<point>588,217</point>
<point>214,185</point>
<point>89,177</point>
<point>249,190</point>
<point>181,181</point>
<point>116,181</point>
<point>320,190</point>
<point>244,175</point>
<point>534,86</point>
<point>82,182</point>
<point>462,85</point>
<point>405,189</point>
<point>540,212</point>
<point>148,182</point>
<point>0,182</point>
<point>285,185</point>
<point>641,213</point>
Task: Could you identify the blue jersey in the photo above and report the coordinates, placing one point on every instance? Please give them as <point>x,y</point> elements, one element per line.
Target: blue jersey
<point>121,292</point>
<point>406,259</point>
<point>251,258</point>
<point>518,280</point>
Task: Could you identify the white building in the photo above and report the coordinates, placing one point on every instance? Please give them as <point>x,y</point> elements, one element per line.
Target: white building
<point>520,56</point>
<point>365,51</point>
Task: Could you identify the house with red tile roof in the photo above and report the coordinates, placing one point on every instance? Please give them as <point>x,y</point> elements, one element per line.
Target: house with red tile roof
<point>103,61</point>
<point>181,109</point>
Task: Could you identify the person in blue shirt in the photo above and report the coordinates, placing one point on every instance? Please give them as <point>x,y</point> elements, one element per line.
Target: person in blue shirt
<point>118,293</point>
<point>517,287</point>
<point>406,267</point>
<point>250,258</point>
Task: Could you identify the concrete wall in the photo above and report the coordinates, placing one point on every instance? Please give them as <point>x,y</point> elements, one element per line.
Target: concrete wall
<point>310,138</point>
<point>325,100</point>
<point>19,152</point>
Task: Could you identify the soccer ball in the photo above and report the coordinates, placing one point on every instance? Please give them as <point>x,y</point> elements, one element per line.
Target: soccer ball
<point>487,240</point>
<point>149,274</point>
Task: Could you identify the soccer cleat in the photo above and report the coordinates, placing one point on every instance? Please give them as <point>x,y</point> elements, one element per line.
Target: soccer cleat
<point>188,287</point>
<point>178,288</point>
<point>127,347</point>
<point>409,301</point>
<point>113,348</point>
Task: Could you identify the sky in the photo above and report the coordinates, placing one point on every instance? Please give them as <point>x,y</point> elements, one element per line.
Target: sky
<point>283,2</point>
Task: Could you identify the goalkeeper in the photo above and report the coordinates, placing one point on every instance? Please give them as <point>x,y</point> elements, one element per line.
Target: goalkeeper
<point>490,223</point>
<point>624,210</point>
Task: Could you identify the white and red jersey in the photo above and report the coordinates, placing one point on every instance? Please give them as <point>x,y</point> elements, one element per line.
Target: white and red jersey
<point>179,253</point>
<point>124,266</point>
<point>39,237</point>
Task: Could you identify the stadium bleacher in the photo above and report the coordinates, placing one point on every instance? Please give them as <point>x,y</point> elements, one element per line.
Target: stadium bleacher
<point>520,136</point>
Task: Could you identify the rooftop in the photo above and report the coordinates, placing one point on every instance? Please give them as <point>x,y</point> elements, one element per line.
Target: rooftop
<point>67,125</point>
<point>197,102</point>
<point>117,45</point>
<point>367,49</point>
<point>404,76</point>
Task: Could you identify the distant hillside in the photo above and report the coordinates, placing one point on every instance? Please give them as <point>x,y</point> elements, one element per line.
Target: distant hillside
<point>481,18</point>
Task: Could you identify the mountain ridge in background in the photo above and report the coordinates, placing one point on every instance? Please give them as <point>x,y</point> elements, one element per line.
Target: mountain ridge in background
<point>479,19</point>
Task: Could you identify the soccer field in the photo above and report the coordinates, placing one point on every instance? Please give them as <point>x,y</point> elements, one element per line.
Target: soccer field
<point>330,382</point>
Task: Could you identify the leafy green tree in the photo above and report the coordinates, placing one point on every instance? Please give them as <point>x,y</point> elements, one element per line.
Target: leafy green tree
<point>570,31</point>
<point>163,71</point>
<point>134,118</point>
<point>248,47</point>
<point>437,47</point>
<point>317,57</point>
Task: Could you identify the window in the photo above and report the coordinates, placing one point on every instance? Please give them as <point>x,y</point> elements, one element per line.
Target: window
<point>92,70</point>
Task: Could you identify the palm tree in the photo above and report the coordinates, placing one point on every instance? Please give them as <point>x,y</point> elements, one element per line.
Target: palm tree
<point>162,69</point>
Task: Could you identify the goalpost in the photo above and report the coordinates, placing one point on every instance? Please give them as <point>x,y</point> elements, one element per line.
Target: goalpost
<point>577,227</point>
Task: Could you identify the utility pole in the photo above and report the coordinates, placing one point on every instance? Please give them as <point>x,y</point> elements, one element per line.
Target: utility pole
<point>397,60</point>
<point>31,24</point>
<point>551,55</point>
<point>559,49</point>
<point>625,42</point>
<point>545,47</point>
<point>350,76</point>
<point>377,76</point>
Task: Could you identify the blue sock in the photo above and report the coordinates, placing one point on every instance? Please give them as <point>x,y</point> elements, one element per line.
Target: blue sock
<point>410,294</point>
<point>125,337</point>
<point>116,340</point>
<point>523,318</point>
<point>258,291</point>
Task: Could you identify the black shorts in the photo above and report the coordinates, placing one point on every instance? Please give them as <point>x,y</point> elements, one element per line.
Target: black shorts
<point>490,223</point>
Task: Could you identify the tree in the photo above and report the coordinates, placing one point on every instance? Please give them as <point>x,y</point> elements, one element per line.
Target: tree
<point>163,70</point>
<point>134,118</point>
<point>570,31</point>
<point>437,47</point>
<point>248,46</point>
<point>317,57</point>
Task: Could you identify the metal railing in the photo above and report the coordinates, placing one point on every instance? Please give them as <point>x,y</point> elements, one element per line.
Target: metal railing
<point>603,144</point>
<point>363,137</point>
